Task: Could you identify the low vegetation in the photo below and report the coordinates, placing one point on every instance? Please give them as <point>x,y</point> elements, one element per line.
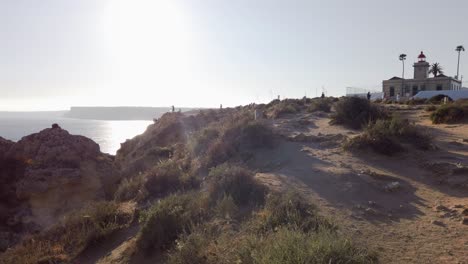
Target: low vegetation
<point>320,104</point>
<point>167,219</point>
<point>438,99</point>
<point>451,113</point>
<point>277,109</point>
<point>235,182</point>
<point>386,136</point>
<point>430,108</point>
<point>291,239</point>
<point>234,140</point>
<point>65,240</point>
<point>355,112</point>
<point>290,210</point>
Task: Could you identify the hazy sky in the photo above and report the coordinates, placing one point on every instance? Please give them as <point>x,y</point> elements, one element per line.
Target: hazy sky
<point>58,53</point>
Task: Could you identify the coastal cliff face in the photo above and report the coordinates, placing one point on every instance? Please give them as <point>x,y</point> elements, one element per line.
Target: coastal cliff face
<point>50,173</point>
<point>156,143</point>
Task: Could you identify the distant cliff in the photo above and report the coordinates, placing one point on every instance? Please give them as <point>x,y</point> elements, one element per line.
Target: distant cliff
<point>119,113</point>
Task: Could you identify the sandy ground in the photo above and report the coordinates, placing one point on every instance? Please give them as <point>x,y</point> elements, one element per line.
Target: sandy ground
<point>418,221</point>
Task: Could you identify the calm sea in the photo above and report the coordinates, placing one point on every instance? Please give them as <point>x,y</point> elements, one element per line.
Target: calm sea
<point>108,134</point>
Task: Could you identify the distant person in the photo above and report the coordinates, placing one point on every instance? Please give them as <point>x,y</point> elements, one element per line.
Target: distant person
<point>368,96</point>
<point>221,106</point>
<point>323,95</point>
<point>398,97</point>
<point>173,109</point>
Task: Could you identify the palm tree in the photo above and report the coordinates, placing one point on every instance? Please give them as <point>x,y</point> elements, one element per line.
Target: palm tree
<point>403,58</point>
<point>436,69</point>
<point>459,49</point>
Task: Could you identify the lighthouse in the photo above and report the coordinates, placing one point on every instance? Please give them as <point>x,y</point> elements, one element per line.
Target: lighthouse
<point>421,67</point>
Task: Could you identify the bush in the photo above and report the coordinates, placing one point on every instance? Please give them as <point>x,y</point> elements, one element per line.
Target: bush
<point>430,108</point>
<point>169,176</point>
<point>450,113</point>
<point>384,136</point>
<point>237,183</point>
<point>131,188</point>
<point>320,104</point>
<point>355,112</point>
<point>199,142</point>
<point>289,246</point>
<point>285,246</point>
<point>438,99</point>
<point>416,101</point>
<point>236,141</point>
<point>65,240</point>
<point>277,109</point>
<point>291,210</point>
<point>167,219</point>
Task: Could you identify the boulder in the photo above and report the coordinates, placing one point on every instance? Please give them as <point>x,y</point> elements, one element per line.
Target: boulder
<point>60,172</point>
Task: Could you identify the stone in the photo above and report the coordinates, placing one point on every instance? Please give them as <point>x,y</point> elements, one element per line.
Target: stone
<point>464,221</point>
<point>440,207</point>
<point>392,186</point>
<point>465,212</point>
<point>436,222</point>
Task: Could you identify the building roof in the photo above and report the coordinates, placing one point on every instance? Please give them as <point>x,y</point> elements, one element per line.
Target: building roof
<point>455,95</point>
<point>441,76</point>
<point>395,78</point>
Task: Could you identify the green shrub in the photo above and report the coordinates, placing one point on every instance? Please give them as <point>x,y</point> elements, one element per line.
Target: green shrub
<point>277,109</point>
<point>289,246</point>
<point>430,108</point>
<point>167,219</point>
<point>284,246</point>
<point>290,209</point>
<point>416,101</point>
<point>76,231</point>
<point>169,176</point>
<point>199,142</point>
<point>237,183</point>
<point>320,104</point>
<point>438,99</point>
<point>450,113</point>
<point>226,207</point>
<point>236,141</point>
<point>386,136</point>
<point>355,112</point>
<point>131,188</point>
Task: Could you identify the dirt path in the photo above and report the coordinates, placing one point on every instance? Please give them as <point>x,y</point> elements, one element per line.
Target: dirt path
<point>394,204</point>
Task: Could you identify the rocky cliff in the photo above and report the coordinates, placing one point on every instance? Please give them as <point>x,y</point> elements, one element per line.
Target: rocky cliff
<point>49,173</point>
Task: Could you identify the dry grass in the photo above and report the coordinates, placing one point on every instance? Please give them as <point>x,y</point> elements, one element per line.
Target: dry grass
<point>65,240</point>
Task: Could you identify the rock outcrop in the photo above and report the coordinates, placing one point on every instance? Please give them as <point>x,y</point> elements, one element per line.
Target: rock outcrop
<point>50,173</point>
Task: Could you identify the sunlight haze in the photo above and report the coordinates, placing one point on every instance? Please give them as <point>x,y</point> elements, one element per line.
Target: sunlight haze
<point>56,54</point>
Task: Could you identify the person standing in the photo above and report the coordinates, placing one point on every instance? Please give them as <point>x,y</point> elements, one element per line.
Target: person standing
<point>368,96</point>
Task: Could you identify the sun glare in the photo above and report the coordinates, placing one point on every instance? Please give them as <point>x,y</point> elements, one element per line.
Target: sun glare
<point>148,42</point>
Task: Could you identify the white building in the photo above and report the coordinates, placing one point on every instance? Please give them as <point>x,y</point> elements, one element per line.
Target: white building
<point>406,88</point>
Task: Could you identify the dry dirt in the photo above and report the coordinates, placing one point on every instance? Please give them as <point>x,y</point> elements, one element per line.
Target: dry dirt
<point>406,210</point>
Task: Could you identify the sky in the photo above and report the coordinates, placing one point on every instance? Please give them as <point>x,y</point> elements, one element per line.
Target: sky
<point>202,53</point>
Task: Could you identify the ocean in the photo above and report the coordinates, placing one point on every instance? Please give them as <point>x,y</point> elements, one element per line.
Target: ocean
<point>108,134</point>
